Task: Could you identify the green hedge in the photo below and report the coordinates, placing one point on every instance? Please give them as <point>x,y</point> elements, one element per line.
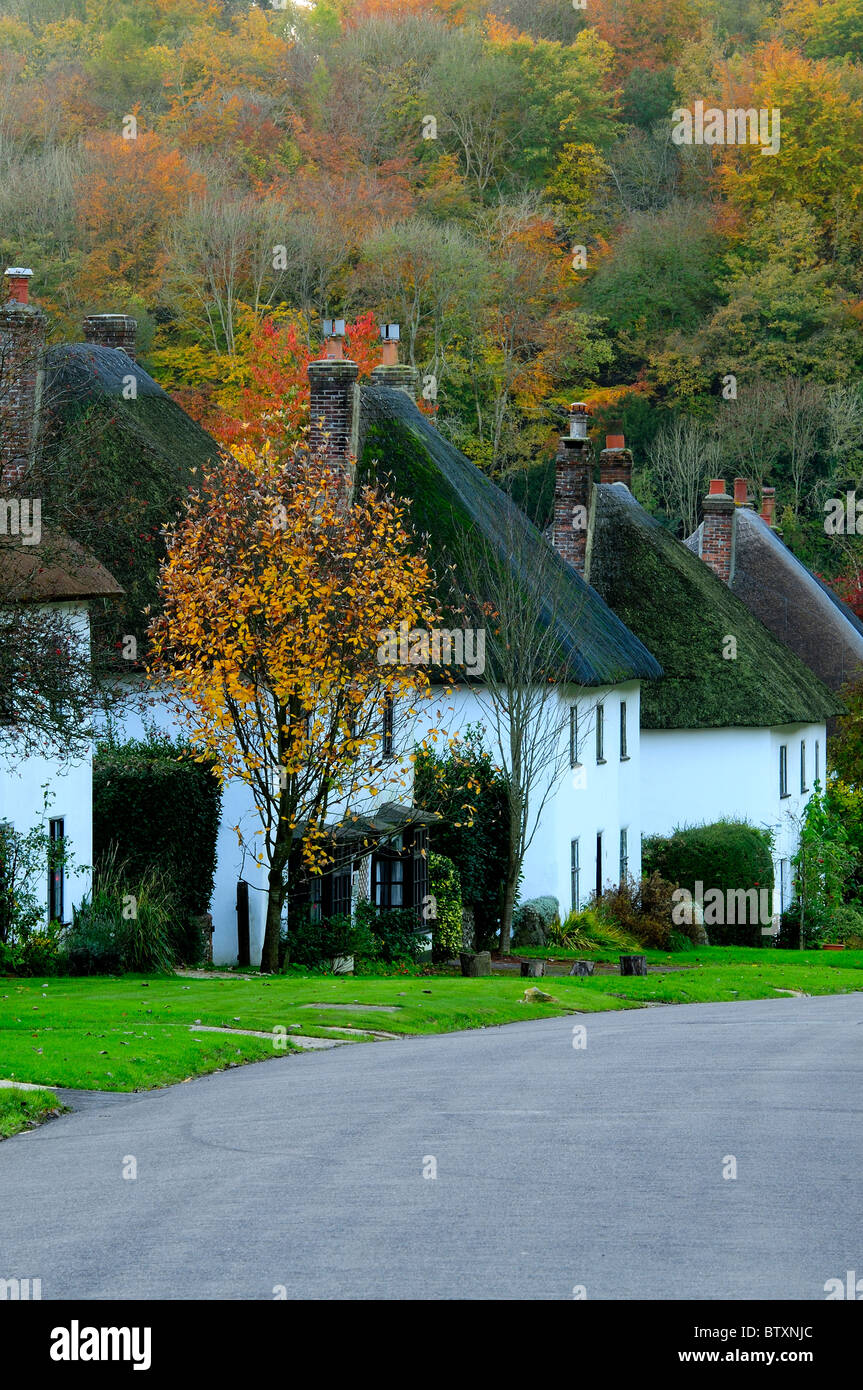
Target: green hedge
<point>160,808</point>
<point>728,855</point>
<point>445,888</point>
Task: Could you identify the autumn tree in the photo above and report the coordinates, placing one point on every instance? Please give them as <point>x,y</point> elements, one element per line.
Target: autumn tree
<point>276,591</point>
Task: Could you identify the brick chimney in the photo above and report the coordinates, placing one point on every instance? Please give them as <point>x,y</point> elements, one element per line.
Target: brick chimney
<point>741,492</point>
<point>768,505</point>
<point>717,532</point>
<point>332,381</point>
<point>22,374</point>
<point>573,483</point>
<point>615,461</point>
<point>391,372</point>
<point>112,331</point>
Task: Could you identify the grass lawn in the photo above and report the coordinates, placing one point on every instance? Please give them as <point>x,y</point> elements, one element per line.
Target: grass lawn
<point>22,1109</point>
<point>133,1033</point>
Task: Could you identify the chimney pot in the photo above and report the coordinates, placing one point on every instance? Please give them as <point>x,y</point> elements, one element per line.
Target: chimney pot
<point>18,280</point>
<point>768,505</point>
<point>741,492</point>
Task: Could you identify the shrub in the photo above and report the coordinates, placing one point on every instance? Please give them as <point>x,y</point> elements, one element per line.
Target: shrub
<point>38,952</point>
<point>589,930</point>
<point>394,929</point>
<point>728,855</point>
<point>312,944</point>
<point>469,792</point>
<point>445,888</point>
<point>845,925</point>
<point>643,911</point>
<point>123,925</point>
<point>24,858</point>
<point>154,803</point>
<point>532,920</point>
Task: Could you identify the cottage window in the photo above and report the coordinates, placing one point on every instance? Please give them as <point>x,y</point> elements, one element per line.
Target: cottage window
<point>573,736</point>
<point>575,874</point>
<point>624,754</point>
<point>817,761</point>
<point>803,786</point>
<point>600,733</point>
<point>388,875</point>
<point>56,883</point>
<point>387,742</point>
<point>783,770</point>
<point>624,856</point>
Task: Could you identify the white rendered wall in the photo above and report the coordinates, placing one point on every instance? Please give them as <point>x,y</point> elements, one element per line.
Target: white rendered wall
<point>695,776</point>
<point>69,784</point>
<point>590,799</point>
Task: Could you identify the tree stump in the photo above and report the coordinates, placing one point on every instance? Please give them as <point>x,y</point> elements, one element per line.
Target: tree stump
<point>533,969</point>
<point>633,965</point>
<point>475,963</point>
<point>582,967</point>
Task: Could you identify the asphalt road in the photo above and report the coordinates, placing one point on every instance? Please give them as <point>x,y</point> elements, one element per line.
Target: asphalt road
<point>557,1167</point>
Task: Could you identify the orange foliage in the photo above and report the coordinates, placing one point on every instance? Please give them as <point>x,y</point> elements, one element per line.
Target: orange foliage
<point>132,192</point>
<point>273,405</point>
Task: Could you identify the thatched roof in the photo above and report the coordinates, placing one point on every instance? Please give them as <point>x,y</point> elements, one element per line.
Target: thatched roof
<point>679,608</point>
<point>56,570</point>
<point>118,458</point>
<point>798,608</point>
<point>455,504</point>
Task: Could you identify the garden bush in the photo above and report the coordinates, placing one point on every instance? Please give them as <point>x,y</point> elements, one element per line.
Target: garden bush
<point>123,925</point>
<point>532,921</point>
<point>445,888</point>
<point>316,944</point>
<point>154,804</point>
<point>728,855</point>
<point>469,792</point>
<point>644,911</point>
<point>395,930</point>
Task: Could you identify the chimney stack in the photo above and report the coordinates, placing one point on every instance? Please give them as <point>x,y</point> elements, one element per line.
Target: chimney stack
<point>391,372</point>
<point>768,505</point>
<point>332,382</point>
<point>572,488</point>
<point>615,461</point>
<point>717,532</point>
<point>22,374</point>
<point>112,331</point>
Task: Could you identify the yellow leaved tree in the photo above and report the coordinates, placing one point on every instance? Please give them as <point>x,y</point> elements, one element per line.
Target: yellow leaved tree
<point>277,589</point>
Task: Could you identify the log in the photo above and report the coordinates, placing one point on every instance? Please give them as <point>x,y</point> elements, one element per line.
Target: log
<point>533,969</point>
<point>475,963</point>
<point>582,967</point>
<point>633,965</point>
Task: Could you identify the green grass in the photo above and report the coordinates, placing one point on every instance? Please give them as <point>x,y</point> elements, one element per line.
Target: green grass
<point>130,1034</point>
<point>23,1109</point>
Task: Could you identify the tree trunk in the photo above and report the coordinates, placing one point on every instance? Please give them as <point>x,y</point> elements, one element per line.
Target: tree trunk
<point>512,876</point>
<point>582,967</point>
<point>276,898</point>
<point>532,969</point>
<point>633,965</point>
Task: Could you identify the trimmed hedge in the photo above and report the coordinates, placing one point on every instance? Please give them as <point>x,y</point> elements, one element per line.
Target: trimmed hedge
<point>728,855</point>
<point>445,888</point>
<point>159,808</point>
